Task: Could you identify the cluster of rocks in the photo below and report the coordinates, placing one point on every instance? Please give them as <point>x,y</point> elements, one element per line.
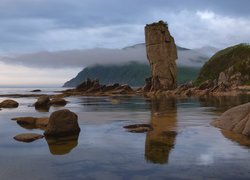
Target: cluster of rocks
<point>44,102</point>
<point>208,88</point>
<point>61,123</point>
<point>93,87</point>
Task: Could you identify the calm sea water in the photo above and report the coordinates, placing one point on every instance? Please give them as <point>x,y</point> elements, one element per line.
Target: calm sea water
<point>182,145</point>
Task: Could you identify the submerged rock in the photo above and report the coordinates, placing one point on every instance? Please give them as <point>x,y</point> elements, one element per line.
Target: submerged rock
<point>36,90</point>
<point>162,54</point>
<point>28,137</point>
<point>58,102</point>
<point>62,123</point>
<point>8,103</point>
<point>139,128</point>
<point>32,122</point>
<point>42,101</point>
<point>236,119</point>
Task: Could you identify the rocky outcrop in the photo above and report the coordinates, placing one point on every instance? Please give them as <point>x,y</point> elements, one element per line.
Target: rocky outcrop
<point>62,123</point>
<point>230,66</point>
<point>161,54</point>
<point>28,137</point>
<point>236,119</point>
<point>8,103</point>
<point>93,87</point>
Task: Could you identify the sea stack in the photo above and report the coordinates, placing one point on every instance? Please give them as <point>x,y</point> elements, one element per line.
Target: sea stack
<point>162,55</point>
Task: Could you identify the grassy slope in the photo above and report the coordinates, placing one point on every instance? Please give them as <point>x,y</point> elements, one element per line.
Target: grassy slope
<point>237,56</point>
<point>132,73</point>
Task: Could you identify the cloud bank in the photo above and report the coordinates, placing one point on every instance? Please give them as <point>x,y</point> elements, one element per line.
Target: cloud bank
<point>53,25</point>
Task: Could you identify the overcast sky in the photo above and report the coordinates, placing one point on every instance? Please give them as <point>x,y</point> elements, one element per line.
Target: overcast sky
<point>28,26</point>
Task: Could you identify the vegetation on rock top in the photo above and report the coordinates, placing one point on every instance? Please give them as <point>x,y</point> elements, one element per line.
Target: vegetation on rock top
<point>236,57</point>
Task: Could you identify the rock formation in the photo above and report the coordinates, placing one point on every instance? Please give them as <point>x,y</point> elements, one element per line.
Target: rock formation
<point>161,54</point>
<point>62,123</point>
<point>93,87</point>
<point>236,119</point>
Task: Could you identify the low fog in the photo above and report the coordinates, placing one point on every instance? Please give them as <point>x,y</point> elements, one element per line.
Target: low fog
<point>90,57</point>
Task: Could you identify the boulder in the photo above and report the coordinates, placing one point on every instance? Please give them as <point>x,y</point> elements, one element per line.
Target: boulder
<point>236,119</point>
<point>62,123</point>
<point>58,102</point>
<point>28,137</point>
<point>42,101</point>
<point>8,103</point>
<point>161,54</point>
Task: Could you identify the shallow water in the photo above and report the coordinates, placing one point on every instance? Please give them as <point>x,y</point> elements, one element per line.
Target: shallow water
<point>182,145</point>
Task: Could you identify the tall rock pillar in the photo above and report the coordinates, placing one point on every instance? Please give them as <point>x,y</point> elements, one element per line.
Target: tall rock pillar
<point>161,54</point>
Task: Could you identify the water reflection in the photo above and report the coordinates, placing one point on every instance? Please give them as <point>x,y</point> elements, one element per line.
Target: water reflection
<point>161,140</point>
<point>63,145</point>
<point>223,103</point>
<point>118,104</point>
<point>43,108</point>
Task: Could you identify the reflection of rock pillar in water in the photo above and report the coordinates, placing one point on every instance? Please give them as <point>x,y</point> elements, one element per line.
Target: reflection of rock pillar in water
<point>161,54</point>
<point>160,141</point>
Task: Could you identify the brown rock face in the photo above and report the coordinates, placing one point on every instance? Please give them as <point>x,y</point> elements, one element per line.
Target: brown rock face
<point>236,119</point>
<point>62,123</point>
<point>162,54</point>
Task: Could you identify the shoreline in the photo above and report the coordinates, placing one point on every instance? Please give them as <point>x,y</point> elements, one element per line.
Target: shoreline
<point>181,91</point>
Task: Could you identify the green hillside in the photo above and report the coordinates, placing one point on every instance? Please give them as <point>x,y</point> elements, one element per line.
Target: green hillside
<point>230,60</point>
<point>132,73</point>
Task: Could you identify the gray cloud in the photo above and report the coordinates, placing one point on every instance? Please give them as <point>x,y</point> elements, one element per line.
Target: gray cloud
<point>40,25</point>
